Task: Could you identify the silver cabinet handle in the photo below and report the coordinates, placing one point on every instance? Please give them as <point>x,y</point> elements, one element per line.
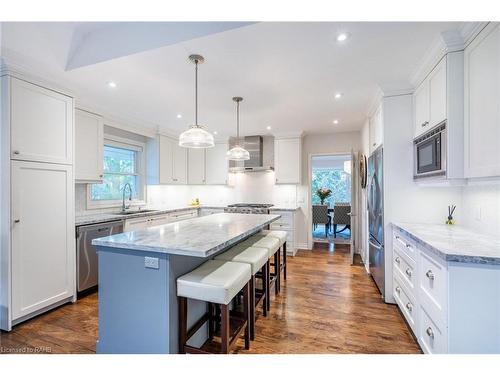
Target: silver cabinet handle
<point>408,245</point>
<point>430,275</point>
<point>398,289</point>
<point>101,176</point>
<point>397,237</point>
<point>425,124</point>
<point>17,221</point>
<point>16,152</point>
<point>408,272</point>
<point>374,144</point>
<point>409,306</point>
<point>429,332</point>
<point>398,260</point>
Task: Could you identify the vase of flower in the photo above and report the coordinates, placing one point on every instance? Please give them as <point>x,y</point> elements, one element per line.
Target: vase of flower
<point>323,193</point>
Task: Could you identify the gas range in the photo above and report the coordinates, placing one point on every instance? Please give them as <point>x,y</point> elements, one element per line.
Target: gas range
<point>248,208</point>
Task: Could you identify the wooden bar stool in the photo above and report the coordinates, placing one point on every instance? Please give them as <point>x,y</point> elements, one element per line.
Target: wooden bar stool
<point>281,235</point>
<point>216,282</point>
<point>258,259</point>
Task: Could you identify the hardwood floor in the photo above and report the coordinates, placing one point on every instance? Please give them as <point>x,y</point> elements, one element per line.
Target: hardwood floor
<point>325,306</point>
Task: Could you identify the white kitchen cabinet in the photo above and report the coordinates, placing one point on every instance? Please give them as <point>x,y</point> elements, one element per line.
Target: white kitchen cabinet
<point>216,164</point>
<point>166,161</point>
<point>196,166</point>
<point>183,215</point>
<point>210,211</point>
<point>144,222</point>
<point>430,99</point>
<point>89,144</point>
<point>41,124</point>
<point>287,222</point>
<point>482,104</point>
<point>42,236</point>
<point>376,129</point>
<point>288,160</point>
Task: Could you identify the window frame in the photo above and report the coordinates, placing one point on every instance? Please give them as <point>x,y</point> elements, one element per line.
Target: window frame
<point>128,144</point>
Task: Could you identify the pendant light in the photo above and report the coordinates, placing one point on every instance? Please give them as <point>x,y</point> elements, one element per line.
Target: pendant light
<point>196,136</point>
<point>238,153</point>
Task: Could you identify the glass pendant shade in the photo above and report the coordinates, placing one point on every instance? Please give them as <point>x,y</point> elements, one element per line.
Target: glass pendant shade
<point>238,153</point>
<point>196,137</point>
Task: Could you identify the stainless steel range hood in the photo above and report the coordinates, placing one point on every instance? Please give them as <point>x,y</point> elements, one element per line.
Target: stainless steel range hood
<point>261,149</point>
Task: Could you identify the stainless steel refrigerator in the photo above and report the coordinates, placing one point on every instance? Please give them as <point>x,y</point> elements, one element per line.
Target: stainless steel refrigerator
<point>376,218</point>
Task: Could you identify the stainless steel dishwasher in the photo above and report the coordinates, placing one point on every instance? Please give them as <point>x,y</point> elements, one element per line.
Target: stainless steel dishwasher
<point>86,256</point>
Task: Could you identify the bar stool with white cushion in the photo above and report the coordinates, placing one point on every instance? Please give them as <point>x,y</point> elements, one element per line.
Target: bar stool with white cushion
<point>281,235</point>
<point>258,258</point>
<point>216,282</point>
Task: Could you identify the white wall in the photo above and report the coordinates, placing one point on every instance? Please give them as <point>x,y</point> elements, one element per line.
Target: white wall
<point>480,208</point>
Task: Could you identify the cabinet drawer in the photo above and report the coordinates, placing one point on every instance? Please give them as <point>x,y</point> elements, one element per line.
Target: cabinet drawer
<point>406,269</point>
<point>406,303</point>
<point>404,244</point>
<point>431,337</point>
<point>284,222</point>
<point>183,215</point>
<point>432,287</point>
<point>135,224</point>
<point>158,220</point>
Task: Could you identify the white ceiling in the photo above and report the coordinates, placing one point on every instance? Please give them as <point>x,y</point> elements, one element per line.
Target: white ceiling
<point>287,73</point>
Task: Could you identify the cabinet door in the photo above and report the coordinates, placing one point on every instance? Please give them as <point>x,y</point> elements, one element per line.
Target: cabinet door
<point>287,160</point>
<point>196,166</point>
<point>89,143</point>
<point>41,124</point>
<point>166,161</point>
<point>437,92</point>
<point>158,220</point>
<point>482,104</point>
<point>43,236</point>
<point>421,107</point>
<point>376,129</point>
<point>216,165</point>
<point>136,224</point>
<point>180,164</point>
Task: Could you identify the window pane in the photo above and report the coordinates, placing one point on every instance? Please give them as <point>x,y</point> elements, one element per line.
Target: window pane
<point>119,160</point>
<point>112,187</point>
<point>337,180</point>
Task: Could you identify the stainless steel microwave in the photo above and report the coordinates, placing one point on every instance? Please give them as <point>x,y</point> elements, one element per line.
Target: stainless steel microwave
<point>430,153</point>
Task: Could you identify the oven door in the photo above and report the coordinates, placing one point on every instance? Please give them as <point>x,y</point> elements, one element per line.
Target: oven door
<point>428,156</point>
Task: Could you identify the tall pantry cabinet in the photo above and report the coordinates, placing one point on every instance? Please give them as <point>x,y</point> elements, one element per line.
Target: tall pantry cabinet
<point>37,200</point>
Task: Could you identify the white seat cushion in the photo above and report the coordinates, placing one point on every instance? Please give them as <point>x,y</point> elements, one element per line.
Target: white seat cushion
<point>279,234</point>
<point>255,256</point>
<point>214,281</point>
<point>259,240</point>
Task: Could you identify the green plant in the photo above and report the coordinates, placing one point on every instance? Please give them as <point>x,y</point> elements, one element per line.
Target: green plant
<point>323,193</point>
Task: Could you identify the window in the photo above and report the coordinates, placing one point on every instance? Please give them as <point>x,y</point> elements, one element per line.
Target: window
<point>122,164</point>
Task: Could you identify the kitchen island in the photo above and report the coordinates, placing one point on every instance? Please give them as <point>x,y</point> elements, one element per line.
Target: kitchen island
<point>138,272</point>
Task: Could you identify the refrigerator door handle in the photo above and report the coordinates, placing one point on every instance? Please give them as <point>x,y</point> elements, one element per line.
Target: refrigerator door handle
<point>376,246</point>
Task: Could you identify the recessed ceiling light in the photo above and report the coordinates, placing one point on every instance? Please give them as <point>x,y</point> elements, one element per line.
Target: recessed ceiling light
<point>335,122</point>
<point>215,132</point>
<point>338,95</point>
<point>342,37</point>
<point>179,116</point>
<point>268,127</point>
<point>112,84</point>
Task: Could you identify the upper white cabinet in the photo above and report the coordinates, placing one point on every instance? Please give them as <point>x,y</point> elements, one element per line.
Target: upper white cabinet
<point>216,164</point>
<point>89,143</point>
<point>196,166</point>
<point>166,161</point>
<point>482,104</point>
<point>288,160</point>
<point>430,99</point>
<point>41,123</point>
<point>376,129</point>
<point>42,236</point>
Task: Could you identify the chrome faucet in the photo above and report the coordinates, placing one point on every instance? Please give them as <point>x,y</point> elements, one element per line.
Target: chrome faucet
<point>124,208</point>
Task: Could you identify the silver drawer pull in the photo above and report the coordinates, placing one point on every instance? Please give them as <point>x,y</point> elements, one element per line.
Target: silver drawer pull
<point>398,260</point>
<point>397,237</point>
<point>17,221</point>
<point>408,272</point>
<point>16,152</point>
<point>409,306</point>
<point>430,275</point>
<point>408,245</point>
<point>429,332</point>
<point>398,289</point>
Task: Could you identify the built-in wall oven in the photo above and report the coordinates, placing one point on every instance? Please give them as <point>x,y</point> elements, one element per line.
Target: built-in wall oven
<point>430,153</point>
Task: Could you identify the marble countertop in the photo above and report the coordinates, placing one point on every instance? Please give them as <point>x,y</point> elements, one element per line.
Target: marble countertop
<point>284,208</point>
<point>454,243</point>
<point>198,237</point>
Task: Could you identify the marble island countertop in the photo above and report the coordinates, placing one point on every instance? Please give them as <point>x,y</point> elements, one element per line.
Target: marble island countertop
<point>198,237</point>
<point>454,243</point>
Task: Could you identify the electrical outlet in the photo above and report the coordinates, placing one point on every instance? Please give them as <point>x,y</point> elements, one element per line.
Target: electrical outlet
<point>150,262</point>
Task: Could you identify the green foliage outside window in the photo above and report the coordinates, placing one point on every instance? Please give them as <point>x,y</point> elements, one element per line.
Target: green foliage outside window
<point>336,180</point>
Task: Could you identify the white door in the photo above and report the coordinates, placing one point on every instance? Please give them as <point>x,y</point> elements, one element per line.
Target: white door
<point>41,124</point>
<point>196,166</point>
<point>437,92</point>
<point>89,143</point>
<point>287,158</point>
<point>216,164</point>
<point>354,202</point>
<point>421,104</point>
<point>43,236</point>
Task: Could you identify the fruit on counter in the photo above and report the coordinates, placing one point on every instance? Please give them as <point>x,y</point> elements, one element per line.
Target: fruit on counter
<point>195,202</point>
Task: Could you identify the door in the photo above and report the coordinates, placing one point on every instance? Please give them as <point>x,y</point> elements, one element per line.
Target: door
<point>43,133</point>
<point>287,157</point>
<point>421,104</point>
<point>196,166</point>
<point>89,143</point>
<point>43,236</point>
<point>437,93</point>
<point>216,164</point>
<point>179,164</point>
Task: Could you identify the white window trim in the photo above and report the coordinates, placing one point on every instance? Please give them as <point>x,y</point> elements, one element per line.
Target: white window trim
<point>131,144</point>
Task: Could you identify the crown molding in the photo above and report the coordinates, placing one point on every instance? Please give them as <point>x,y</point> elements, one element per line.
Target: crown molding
<point>470,30</point>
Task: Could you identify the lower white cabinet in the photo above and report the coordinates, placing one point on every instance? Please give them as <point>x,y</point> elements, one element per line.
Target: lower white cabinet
<point>451,307</point>
<point>210,211</point>
<point>42,236</point>
<point>287,223</point>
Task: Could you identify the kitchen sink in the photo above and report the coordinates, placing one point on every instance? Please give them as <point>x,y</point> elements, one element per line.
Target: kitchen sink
<point>135,212</point>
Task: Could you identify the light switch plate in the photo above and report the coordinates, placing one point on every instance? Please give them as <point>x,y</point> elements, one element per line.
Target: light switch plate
<point>150,262</point>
